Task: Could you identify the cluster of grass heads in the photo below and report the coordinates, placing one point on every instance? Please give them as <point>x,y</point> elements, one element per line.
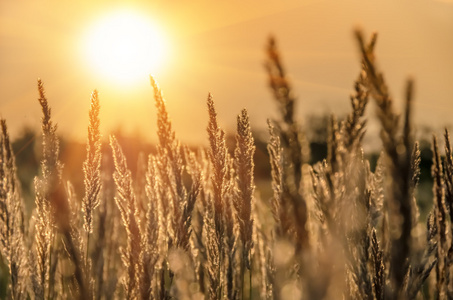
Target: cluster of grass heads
<point>192,225</point>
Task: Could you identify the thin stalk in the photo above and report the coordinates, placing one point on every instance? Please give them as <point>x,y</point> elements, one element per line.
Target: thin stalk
<point>219,296</point>
<point>250,277</point>
<point>50,266</point>
<point>63,285</point>
<point>243,277</point>
<point>50,263</point>
<point>87,251</point>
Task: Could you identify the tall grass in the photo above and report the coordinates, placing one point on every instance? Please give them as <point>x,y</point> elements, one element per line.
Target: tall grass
<point>191,224</point>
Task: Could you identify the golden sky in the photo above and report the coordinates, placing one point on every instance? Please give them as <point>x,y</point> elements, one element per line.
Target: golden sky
<point>218,46</point>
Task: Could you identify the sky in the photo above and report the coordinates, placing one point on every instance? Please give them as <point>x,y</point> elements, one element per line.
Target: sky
<point>218,47</point>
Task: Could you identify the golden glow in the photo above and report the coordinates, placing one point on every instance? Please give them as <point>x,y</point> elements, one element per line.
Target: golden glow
<point>125,47</point>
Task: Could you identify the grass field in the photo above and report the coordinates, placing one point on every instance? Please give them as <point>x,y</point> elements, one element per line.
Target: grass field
<point>190,223</point>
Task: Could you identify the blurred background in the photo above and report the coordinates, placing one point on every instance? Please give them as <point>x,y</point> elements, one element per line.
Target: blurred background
<point>218,47</point>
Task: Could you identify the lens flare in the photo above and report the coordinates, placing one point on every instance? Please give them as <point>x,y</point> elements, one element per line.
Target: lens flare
<point>125,47</point>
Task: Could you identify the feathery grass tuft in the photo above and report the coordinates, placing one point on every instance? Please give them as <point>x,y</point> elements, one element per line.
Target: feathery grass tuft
<point>126,203</point>
<point>92,165</point>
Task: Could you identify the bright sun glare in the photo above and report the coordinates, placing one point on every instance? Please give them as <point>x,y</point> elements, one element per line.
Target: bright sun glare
<point>125,47</point>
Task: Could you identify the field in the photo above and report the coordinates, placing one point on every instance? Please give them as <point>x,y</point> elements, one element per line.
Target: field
<point>193,223</point>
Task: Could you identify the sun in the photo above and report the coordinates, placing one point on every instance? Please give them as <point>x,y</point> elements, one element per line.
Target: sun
<point>125,46</point>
